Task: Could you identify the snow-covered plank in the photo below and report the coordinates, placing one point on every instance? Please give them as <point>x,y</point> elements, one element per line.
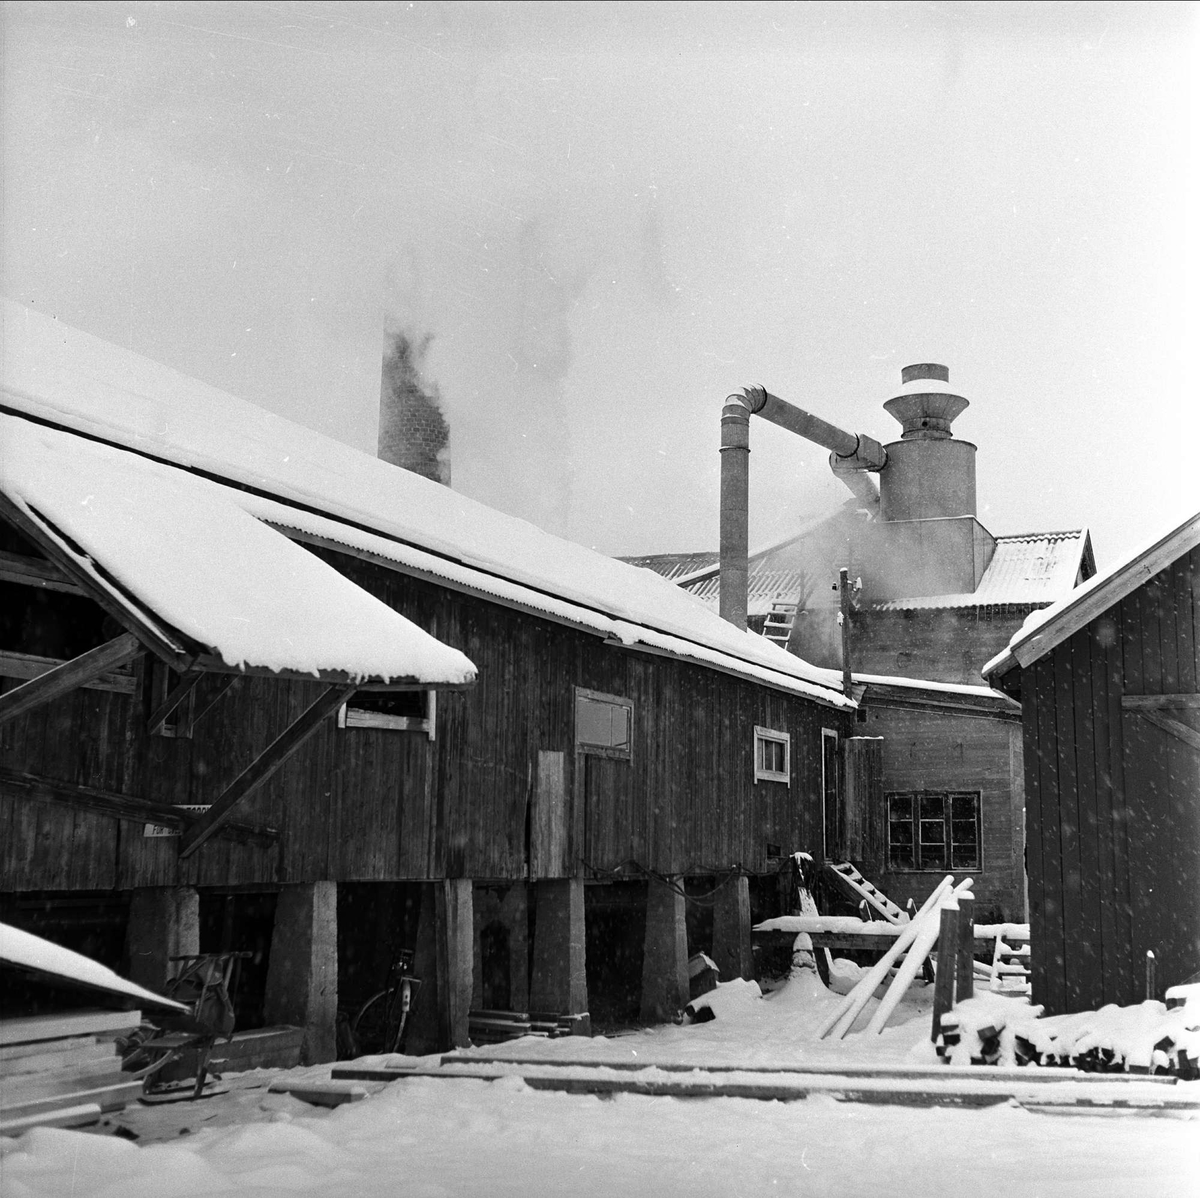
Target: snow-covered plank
<point>26,951</point>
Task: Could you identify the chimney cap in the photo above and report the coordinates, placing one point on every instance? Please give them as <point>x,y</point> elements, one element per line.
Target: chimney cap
<point>925,407</point>
<point>924,370</point>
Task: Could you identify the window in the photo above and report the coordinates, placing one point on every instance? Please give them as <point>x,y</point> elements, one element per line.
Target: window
<point>162,682</point>
<point>603,723</point>
<point>936,830</point>
<point>772,755</point>
<point>399,711</point>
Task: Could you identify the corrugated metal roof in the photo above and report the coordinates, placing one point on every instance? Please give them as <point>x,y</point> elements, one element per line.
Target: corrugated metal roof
<point>673,566</point>
<point>1034,568</point>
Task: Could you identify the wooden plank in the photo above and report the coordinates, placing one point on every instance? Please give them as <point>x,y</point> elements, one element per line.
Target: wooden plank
<point>1120,969</point>
<point>30,665</point>
<point>1098,659</point>
<point>87,1075</point>
<point>180,691</point>
<point>67,677</point>
<point>35,572</point>
<point>117,806</point>
<point>1187,611</point>
<point>1070,822</point>
<point>33,1028</point>
<point>1181,732</point>
<point>72,1116</point>
<point>1046,918</point>
<point>10,1053</point>
<point>1160,702</point>
<point>112,1097</point>
<point>1087,971</point>
<point>548,847</point>
<point>263,767</point>
<point>51,1059</point>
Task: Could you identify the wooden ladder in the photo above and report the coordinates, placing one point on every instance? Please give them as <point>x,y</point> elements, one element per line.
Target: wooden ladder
<point>780,619</point>
<point>1010,963</point>
<point>854,884</point>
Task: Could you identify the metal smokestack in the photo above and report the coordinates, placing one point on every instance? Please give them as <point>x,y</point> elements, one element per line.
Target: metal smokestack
<point>735,509</point>
<point>930,474</point>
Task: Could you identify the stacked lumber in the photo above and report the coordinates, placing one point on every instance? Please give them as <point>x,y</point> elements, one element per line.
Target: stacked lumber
<point>494,1027</point>
<point>63,1070</point>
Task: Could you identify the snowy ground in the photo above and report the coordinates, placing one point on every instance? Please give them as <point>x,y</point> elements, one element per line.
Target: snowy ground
<point>423,1136</point>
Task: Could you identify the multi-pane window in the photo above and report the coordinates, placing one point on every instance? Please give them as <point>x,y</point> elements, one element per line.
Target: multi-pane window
<point>933,829</point>
<point>772,755</point>
<point>603,723</point>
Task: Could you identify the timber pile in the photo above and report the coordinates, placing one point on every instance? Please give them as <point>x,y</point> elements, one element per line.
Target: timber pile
<point>63,1070</point>
<point>495,1027</point>
<point>1147,1039</point>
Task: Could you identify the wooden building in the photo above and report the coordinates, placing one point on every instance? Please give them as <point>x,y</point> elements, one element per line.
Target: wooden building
<point>620,748</point>
<point>1107,681</point>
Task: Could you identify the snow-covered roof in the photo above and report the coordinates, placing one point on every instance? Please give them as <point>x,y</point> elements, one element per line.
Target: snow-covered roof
<point>191,561</point>
<point>27,951</point>
<point>1034,567</point>
<point>1044,629</point>
<point>76,381</point>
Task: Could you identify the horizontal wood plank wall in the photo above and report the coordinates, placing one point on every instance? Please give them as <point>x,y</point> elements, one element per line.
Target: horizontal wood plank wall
<point>1113,802</point>
<point>930,750</point>
<point>371,804</point>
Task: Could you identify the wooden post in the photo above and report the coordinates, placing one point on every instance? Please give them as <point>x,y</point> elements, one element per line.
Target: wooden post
<point>964,971</point>
<point>732,949</point>
<point>844,600</point>
<point>665,989</point>
<point>302,975</point>
<point>559,966</point>
<point>164,922</point>
<point>943,987</point>
<point>455,958</point>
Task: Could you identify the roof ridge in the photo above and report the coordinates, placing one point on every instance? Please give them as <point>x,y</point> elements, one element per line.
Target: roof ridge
<point>1041,536</point>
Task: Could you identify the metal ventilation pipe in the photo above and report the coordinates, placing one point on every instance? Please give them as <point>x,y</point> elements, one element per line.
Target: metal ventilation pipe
<point>850,456</point>
<point>735,509</point>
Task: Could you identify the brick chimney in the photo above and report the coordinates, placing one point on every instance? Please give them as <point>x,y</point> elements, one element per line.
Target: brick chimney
<point>413,433</point>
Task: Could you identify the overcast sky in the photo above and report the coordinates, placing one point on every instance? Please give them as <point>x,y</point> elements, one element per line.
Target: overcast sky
<point>609,216</point>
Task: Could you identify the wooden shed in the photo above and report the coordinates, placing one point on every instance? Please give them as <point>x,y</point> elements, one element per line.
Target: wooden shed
<point>621,749</point>
<point>1107,681</point>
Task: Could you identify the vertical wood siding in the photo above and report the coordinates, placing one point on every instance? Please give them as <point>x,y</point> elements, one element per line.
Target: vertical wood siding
<point>1113,802</point>
<point>370,804</point>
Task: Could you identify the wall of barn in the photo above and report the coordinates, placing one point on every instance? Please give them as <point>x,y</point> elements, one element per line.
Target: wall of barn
<point>926,750</point>
<point>370,804</point>
<point>1113,817</point>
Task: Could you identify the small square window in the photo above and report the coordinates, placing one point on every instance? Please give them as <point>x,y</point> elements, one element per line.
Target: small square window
<point>397,711</point>
<point>772,755</point>
<point>603,723</point>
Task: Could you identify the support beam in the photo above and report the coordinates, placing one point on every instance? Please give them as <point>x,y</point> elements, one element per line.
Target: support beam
<point>34,572</point>
<point>67,677</point>
<point>302,974</point>
<point>455,958</point>
<point>263,766</point>
<point>181,690</point>
<point>227,684</point>
<point>1175,728</point>
<point>559,945</point>
<point>665,990</point>
<point>164,922</point>
<point>732,950</point>
<point>36,789</point>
